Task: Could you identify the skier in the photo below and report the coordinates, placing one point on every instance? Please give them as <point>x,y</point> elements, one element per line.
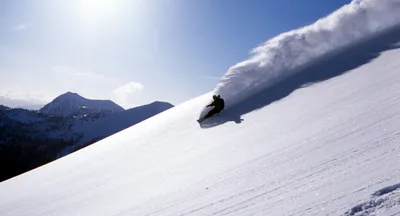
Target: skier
<point>218,104</point>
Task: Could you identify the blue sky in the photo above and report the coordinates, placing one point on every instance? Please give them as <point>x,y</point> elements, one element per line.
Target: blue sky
<point>136,51</point>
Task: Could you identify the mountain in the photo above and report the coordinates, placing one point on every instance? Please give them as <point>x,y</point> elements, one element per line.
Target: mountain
<point>322,137</point>
<point>2,107</point>
<point>30,138</point>
<point>72,104</point>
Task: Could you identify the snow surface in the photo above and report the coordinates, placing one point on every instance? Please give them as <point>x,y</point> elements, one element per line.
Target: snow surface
<point>324,141</point>
<point>325,149</point>
<point>288,53</point>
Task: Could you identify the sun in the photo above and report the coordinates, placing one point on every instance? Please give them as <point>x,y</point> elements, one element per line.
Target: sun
<point>107,16</point>
<point>98,5</point>
<point>96,9</point>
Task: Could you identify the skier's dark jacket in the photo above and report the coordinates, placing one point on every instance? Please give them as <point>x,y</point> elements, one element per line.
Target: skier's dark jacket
<point>218,103</point>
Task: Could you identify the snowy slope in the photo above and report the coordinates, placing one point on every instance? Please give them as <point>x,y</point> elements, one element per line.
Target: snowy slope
<point>321,150</point>
<point>74,104</point>
<point>323,141</point>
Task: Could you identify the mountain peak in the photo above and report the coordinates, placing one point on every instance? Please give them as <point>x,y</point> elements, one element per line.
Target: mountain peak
<point>70,95</point>
<point>71,103</point>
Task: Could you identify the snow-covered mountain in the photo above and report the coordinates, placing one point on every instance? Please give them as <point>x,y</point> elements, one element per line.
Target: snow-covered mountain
<point>72,104</point>
<point>316,136</point>
<point>31,138</point>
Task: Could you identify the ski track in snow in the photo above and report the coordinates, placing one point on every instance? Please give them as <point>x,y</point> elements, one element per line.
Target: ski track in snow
<point>291,52</point>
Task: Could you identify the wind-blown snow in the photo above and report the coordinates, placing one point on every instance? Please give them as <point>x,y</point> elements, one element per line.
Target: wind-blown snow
<point>289,53</point>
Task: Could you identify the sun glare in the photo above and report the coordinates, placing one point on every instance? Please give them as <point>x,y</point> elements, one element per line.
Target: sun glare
<point>94,16</point>
<point>98,9</point>
<point>98,6</point>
